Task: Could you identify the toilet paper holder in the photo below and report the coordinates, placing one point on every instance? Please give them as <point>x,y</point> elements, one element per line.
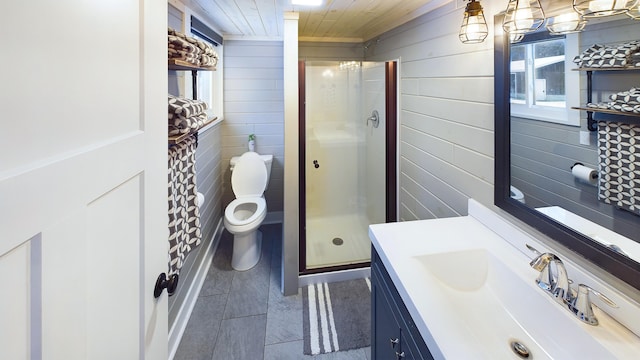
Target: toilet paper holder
<point>592,175</point>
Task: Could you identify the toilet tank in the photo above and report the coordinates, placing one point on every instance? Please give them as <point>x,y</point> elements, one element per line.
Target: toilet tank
<point>268,160</point>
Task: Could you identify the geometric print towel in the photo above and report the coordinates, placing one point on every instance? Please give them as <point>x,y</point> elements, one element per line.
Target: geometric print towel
<point>184,214</point>
<point>619,165</point>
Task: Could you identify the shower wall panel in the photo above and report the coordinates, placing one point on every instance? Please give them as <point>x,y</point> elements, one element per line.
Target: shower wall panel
<point>335,143</point>
<point>373,74</point>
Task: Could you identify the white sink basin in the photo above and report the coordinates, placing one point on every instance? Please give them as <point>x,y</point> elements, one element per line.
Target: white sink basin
<point>496,307</point>
<point>471,294</point>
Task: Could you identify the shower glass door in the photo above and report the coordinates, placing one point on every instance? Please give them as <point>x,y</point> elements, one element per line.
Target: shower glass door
<point>344,161</point>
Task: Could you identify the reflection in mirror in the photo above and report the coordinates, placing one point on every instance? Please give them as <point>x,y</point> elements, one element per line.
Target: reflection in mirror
<point>543,138</point>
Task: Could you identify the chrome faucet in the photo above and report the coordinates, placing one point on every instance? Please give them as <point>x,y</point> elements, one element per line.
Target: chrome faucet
<point>558,286</point>
<point>580,305</point>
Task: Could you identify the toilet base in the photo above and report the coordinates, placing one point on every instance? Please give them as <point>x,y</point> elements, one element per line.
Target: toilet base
<point>246,250</point>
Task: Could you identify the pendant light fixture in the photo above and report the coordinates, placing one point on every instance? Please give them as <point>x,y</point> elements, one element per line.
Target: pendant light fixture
<point>634,13</point>
<point>597,8</point>
<point>568,23</point>
<point>523,16</point>
<point>515,38</point>
<point>474,26</point>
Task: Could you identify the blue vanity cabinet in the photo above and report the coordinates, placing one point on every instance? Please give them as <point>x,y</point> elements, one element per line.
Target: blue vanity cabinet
<point>393,333</point>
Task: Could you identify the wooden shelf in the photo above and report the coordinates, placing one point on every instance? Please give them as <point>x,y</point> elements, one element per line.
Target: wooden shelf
<point>628,68</point>
<point>174,139</point>
<point>176,64</point>
<point>606,111</point>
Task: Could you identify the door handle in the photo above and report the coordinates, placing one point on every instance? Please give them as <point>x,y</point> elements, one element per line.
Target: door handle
<point>163,282</point>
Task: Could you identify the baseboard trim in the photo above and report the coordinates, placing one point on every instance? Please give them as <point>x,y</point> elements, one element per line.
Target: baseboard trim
<point>334,276</point>
<point>184,313</point>
<point>274,217</point>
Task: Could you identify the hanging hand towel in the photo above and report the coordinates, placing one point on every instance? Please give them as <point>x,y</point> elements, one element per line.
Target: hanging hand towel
<point>619,165</point>
<point>184,214</point>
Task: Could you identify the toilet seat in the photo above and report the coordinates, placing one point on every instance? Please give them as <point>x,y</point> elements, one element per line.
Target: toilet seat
<point>249,176</point>
<point>259,214</point>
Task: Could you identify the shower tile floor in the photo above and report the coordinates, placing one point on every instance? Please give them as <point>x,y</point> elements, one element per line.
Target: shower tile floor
<point>353,229</point>
<point>243,315</point>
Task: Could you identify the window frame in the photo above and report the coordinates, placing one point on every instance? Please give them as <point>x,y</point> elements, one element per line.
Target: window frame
<point>558,115</point>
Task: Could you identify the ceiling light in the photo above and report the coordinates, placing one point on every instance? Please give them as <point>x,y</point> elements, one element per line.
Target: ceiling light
<point>596,8</point>
<point>566,23</point>
<point>474,26</point>
<point>306,2</point>
<point>523,16</point>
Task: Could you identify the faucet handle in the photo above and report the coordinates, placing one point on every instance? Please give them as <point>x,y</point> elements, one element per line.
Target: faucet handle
<point>581,304</point>
<point>534,250</point>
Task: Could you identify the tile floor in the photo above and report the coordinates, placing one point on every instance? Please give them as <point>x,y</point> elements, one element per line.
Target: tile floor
<point>244,316</point>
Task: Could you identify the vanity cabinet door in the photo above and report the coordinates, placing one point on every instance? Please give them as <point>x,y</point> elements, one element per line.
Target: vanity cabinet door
<point>385,327</point>
<point>391,320</point>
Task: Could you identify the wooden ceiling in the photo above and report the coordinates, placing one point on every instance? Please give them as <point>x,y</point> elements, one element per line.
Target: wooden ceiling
<point>333,21</point>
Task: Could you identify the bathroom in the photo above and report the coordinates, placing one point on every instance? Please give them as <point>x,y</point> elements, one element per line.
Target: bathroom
<point>446,153</point>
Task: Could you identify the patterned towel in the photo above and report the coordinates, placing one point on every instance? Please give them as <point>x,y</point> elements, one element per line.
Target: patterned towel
<point>619,165</point>
<point>192,50</point>
<point>186,107</point>
<point>182,125</point>
<point>184,214</point>
<point>625,101</point>
<point>600,56</point>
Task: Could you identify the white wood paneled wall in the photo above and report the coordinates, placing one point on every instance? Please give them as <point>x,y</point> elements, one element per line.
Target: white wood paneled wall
<point>254,104</point>
<point>446,113</point>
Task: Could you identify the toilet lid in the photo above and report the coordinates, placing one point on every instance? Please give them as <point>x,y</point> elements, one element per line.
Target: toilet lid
<point>249,176</point>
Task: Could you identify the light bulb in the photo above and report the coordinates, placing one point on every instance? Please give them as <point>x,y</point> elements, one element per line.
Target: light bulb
<point>600,5</point>
<point>566,23</point>
<point>523,16</point>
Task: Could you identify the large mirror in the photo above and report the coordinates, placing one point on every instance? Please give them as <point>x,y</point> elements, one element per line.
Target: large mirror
<point>549,159</point>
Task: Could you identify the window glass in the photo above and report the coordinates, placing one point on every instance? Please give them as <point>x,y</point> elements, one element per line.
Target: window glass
<point>539,78</point>
<point>205,82</point>
<point>518,80</point>
<point>549,79</point>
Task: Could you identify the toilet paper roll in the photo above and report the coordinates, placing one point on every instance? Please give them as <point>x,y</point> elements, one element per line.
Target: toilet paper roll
<point>200,199</point>
<point>585,174</point>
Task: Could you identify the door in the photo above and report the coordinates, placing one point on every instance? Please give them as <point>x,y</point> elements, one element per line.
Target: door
<point>83,210</point>
<point>347,160</point>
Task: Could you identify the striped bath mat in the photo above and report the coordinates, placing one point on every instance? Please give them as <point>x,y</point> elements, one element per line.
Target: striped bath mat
<point>336,316</point>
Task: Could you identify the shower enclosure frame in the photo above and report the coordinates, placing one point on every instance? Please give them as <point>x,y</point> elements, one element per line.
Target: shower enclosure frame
<point>391,162</point>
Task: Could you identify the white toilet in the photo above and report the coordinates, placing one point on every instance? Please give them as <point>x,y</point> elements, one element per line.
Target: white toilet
<point>516,194</point>
<point>249,178</point>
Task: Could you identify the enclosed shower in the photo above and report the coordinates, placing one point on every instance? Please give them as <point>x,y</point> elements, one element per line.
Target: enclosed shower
<point>345,162</point>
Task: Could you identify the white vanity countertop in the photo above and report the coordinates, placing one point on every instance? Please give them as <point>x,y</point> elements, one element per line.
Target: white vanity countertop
<point>450,326</point>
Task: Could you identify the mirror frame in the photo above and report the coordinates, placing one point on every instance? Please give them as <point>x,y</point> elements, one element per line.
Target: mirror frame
<point>615,264</point>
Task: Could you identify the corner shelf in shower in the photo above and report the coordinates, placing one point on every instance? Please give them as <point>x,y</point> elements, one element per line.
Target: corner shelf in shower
<point>174,139</point>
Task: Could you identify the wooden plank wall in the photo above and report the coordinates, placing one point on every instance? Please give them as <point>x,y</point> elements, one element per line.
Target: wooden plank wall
<point>446,113</point>
<point>254,104</point>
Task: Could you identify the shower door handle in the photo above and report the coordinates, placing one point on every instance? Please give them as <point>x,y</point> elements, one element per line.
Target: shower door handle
<point>374,118</point>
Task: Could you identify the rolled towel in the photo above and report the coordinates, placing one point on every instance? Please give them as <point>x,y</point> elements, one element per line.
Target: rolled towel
<point>183,125</point>
<point>186,107</point>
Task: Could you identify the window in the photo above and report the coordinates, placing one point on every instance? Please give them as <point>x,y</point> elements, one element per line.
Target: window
<point>540,77</point>
<point>209,82</point>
